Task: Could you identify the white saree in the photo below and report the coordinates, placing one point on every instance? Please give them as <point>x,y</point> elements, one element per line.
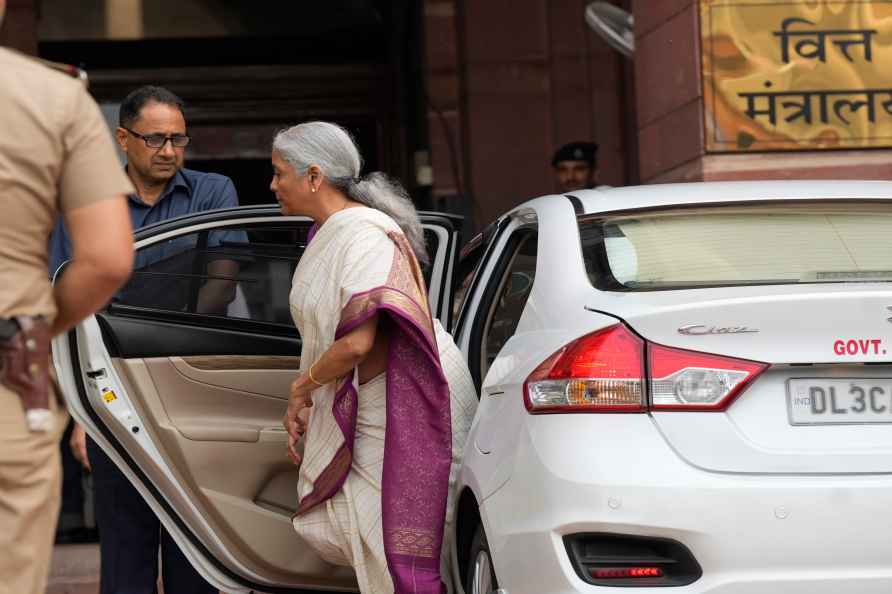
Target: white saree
<point>350,254</point>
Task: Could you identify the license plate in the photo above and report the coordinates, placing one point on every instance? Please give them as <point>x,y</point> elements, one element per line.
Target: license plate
<point>839,401</point>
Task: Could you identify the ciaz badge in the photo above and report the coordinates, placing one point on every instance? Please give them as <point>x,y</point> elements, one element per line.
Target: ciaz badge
<point>703,329</point>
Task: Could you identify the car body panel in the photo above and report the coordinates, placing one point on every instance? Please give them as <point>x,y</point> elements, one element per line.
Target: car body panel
<point>752,322</point>
<point>597,473</point>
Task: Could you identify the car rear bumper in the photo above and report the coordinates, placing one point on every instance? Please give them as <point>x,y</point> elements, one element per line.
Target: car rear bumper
<point>615,474</point>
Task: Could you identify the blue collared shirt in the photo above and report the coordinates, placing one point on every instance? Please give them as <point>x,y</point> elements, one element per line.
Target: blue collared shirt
<point>187,192</point>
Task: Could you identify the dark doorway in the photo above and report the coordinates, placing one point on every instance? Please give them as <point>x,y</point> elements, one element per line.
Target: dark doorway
<point>250,176</point>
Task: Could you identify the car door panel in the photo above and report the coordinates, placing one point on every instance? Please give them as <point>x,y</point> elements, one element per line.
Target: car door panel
<point>241,372</point>
<point>231,475</point>
<point>196,413</point>
<point>225,465</point>
<point>494,287</point>
<point>224,453</point>
<point>209,411</point>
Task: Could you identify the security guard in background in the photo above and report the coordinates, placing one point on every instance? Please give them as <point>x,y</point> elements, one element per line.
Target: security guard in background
<point>576,166</point>
<point>56,157</point>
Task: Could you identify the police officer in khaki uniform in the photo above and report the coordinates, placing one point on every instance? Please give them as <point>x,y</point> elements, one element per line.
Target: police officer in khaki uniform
<point>56,157</point>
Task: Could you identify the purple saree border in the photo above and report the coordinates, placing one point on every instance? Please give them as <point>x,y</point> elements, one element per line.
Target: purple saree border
<point>366,315</point>
<point>332,478</point>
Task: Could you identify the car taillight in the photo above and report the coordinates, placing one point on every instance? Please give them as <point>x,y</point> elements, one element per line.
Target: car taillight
<point>604,372</point>
<point>601,372</point>
<point>688,380</point>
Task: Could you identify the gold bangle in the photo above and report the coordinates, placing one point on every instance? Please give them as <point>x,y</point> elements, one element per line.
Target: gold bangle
<point>313,379</point>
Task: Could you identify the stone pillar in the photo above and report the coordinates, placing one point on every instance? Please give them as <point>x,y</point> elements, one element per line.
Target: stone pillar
<point>443,110</point>
<point>508,82</point>
<point>124,19</point>
<point>505,78</point>
<point>19,27</point>
<point>667,84</point>
<point>671,115</point>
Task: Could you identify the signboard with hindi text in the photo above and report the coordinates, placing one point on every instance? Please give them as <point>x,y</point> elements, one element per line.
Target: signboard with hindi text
<point>796,74</point>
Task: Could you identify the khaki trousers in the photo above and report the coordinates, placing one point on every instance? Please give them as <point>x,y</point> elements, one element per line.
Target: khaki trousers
<point>30,483</point>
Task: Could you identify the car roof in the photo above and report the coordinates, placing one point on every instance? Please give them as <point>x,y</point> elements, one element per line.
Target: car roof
<point>608,199</point>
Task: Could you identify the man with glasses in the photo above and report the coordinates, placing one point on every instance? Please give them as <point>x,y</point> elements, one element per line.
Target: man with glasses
<point>152,134</point>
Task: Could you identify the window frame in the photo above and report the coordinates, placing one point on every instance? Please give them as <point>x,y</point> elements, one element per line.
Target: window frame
<point>156,234</point>
<point>503,256</point>
<point>489,238</point>
<point>442,263</point>
<point>521,237</point>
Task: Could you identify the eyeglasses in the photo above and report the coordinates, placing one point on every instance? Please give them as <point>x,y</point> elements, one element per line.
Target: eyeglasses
<point>156,141</point>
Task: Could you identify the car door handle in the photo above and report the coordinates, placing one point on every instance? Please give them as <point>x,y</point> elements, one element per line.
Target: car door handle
<point>198,431</point>
<point>485,450</point>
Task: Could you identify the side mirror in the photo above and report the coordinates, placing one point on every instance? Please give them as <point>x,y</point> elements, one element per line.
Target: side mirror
<point>613,24</point>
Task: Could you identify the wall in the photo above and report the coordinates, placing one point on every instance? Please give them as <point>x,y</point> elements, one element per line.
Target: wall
<point>667,79</point>
<point>19,27</point>
<point>511,80</point>
<point>67,20</point>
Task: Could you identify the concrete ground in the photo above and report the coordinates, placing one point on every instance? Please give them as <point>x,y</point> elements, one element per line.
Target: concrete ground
<point>75,570</point>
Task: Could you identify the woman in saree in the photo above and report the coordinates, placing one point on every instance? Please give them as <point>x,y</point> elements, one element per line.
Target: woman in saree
<point>384,399</point>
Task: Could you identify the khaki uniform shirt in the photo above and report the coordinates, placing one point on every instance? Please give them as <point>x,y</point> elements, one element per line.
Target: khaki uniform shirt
<point>56,154</point>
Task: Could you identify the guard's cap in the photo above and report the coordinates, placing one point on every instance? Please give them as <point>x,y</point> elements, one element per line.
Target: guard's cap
<point>576,151</point>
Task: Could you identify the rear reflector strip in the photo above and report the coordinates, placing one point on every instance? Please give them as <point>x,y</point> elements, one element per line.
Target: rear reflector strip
<point>630,561</point>
<point>626,572</point>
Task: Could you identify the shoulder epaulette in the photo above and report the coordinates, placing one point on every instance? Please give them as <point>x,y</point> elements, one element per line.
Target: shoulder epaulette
<point>70,70</point>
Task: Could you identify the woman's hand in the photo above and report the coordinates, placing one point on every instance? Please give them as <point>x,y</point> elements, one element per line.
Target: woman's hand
<point>298,415</point>
<point>295,456</point>
<point>295,449</point>
<point>299,399</point>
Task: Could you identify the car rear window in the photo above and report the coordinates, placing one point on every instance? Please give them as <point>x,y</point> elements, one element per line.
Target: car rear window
<point>759,244</point>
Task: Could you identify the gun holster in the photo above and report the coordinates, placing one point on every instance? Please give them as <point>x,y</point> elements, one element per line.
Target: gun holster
<point>24,367</point>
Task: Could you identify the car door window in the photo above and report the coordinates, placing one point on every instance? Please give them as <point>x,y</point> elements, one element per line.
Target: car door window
<point>468,264</point>
<point>471,258</point>
<point>511,297</point>
<point>433,244</point>
<point>239,272</point>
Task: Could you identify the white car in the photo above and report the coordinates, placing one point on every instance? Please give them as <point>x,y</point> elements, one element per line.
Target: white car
<point>682,386</point>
